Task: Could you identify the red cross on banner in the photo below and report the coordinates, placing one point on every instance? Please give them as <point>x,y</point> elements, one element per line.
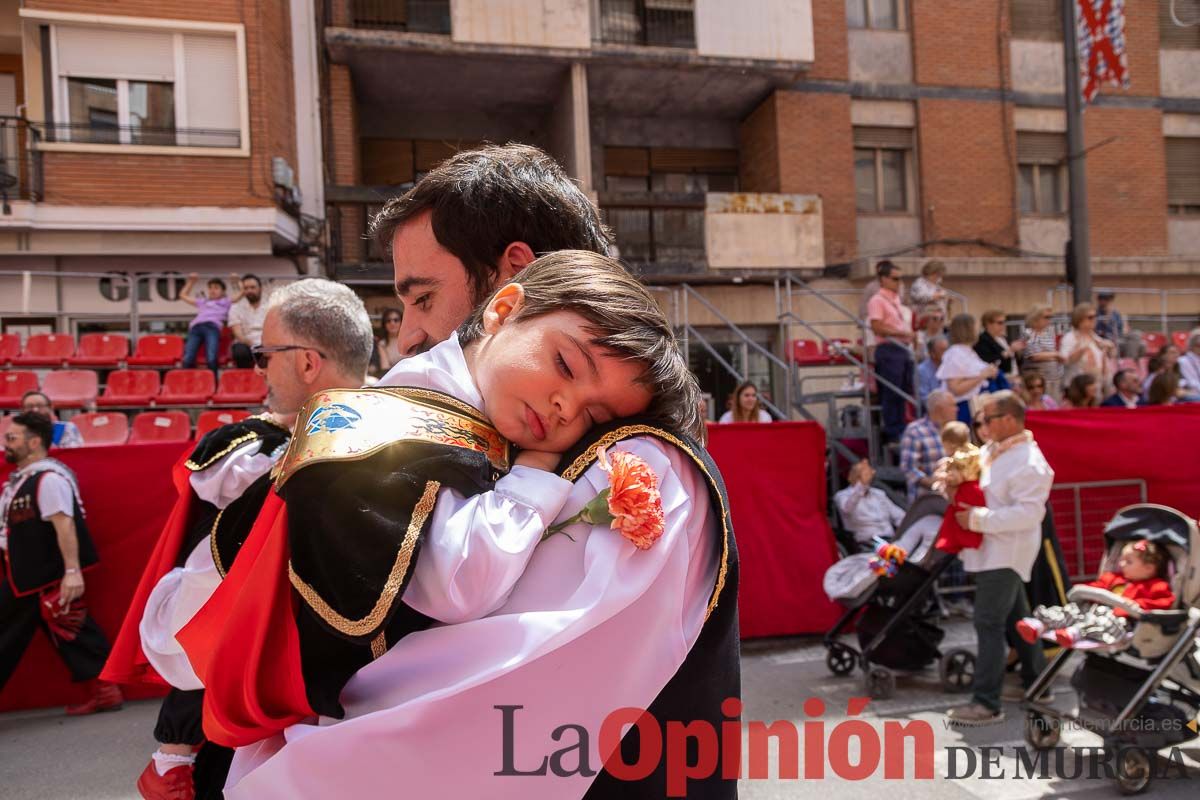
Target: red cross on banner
<point>1100,30</point>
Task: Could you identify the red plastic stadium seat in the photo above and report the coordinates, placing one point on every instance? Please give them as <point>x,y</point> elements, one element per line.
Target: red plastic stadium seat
<point>100,350</point>
<point>224,349</point>
<point>157,351</point>
<point>130,387</point>
<point>13,385</point>
<point>102,427</point>
<point>161,426</point>
<point>47,350</point>
<point>10,347</point>
<point>211,420</point>
<point>807,353</point>
<point>71,388</point>
<point>186,387</point>
<point>1180,340</point>
<point>242,386</point>
<point>1154,341</point>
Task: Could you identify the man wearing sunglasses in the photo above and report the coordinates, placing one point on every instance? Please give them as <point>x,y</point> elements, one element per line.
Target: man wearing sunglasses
<point>316,336</point>
<point>1016,481</point>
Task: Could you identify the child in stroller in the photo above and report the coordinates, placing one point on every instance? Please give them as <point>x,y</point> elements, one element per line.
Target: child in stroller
<point>1141,692</point>
<point>1139,576</point>
<point>895,616</point>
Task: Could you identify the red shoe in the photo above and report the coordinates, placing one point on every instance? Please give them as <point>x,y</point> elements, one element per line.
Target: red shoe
<point>175,785</point>
<point>105,697</point>
<point>1067,637</point>
<point>1030,629</point>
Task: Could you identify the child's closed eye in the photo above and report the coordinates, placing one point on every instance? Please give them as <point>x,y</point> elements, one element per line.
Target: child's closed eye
<point>563,368</point>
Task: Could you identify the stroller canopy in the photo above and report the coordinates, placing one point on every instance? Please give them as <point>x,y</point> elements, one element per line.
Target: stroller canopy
<point>1154,523</point>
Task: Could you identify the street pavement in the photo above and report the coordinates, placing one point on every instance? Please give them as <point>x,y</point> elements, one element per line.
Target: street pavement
<point>45,756</point>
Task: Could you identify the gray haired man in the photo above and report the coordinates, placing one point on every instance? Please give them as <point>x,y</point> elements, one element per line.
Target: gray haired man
<point>316,336</point>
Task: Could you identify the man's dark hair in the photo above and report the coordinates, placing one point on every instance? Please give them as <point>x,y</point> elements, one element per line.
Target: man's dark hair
<point>38,425</point>
<point>217,282</point>
<point>884,268</point>
<point>39,393</point>
<point>1121,373</point>
<point>484,200</point>
<point>250,276</point>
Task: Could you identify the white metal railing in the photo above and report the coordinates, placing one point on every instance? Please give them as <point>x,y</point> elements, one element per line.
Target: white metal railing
<point>1055,294</point>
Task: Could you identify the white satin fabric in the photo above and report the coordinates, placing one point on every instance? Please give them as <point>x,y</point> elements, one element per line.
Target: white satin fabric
<point>592,625</point>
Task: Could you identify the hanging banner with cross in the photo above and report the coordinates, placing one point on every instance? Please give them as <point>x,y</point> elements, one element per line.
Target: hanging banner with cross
<point>1100,29</point>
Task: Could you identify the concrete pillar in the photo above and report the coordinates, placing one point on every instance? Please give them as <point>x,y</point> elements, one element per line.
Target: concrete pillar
<point>570,127</point>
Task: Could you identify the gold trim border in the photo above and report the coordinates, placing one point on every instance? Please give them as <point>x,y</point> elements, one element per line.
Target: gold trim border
<point>234,445</point>
<point>583,461</point>
<point>212,543</point>
<point>391,587</point>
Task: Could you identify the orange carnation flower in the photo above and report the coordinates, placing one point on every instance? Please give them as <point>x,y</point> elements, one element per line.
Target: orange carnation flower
<point>633,500</point>
<point>631,505</point>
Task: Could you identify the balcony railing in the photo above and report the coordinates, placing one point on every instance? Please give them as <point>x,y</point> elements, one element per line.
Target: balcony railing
<point>660,232</point>
<point>20,161</point>
<point>90,133</point>
<point>418,16</point>
<point>659,23</point>
<point>349,254</point>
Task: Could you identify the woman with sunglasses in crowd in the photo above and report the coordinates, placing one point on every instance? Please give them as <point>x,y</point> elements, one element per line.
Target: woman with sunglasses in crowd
<point>1082,351</point>
<point>387,346</point>
<point>1035,396</point>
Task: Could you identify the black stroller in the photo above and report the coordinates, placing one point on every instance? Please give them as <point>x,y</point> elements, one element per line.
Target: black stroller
<point>1140,693</point>
<point>897,617</point>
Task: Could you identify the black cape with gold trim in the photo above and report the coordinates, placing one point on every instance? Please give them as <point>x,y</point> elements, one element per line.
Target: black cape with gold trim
<point>711,673</point>
<point>360,481</point>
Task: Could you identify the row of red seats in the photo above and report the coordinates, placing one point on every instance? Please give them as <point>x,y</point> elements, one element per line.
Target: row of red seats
<point>78,388</point>
<point>1157,341</point>
<point>99,350</point>
<point>109,428</point>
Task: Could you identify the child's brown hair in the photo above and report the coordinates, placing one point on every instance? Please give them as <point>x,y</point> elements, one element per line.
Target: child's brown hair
<point>955,436</point>
<point>1149,553</point>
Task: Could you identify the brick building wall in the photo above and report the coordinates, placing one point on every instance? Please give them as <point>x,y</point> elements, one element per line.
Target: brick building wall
<point>342,153</point>
<point>831,59</point>
<point>959,44</point>
<point>758,149</point>
<point>816,156</point>
<point>966,165</point>
<point>1126,177</point>
<point>114,178</point>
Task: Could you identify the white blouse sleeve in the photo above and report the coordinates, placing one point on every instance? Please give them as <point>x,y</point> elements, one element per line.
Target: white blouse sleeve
<point>960,361</point>
<point>227,481</point>
<point>477,547</point>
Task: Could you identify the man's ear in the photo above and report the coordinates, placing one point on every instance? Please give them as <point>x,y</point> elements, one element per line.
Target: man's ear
<point>310,366</point>
<point>507,302</point>
<point>515,258</point>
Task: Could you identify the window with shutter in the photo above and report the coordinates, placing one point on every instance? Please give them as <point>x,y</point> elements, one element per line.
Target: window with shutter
<point>1183,174</point>
<point>882,169</point>
<point>140,86</point>
<point>1037,19</point>
<point>1041,172</point>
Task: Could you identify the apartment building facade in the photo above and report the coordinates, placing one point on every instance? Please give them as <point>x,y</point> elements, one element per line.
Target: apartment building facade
<point>143,141</point>
<point>730,143</point>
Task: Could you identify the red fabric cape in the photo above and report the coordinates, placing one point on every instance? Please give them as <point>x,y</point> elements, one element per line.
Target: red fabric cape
<point>243,644</point>
<point>126,661</point>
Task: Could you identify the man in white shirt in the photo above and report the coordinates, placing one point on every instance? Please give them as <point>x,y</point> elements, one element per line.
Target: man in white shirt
<point>1016,481</point>
<point>867,512</point>
<point>246,321</point>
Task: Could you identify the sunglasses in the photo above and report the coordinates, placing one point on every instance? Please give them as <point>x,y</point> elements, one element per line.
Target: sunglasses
<point>262,355</point>
<point>1090,316</point>
<point>393,319</point>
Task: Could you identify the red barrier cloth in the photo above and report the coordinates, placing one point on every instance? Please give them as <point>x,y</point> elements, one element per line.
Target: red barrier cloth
<point>127,663</point>
<point>127,493</point>
<point>775,475</point>
<point>1157,444</point>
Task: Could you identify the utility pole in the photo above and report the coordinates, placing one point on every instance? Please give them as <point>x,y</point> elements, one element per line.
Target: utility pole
<point>1080,250</point>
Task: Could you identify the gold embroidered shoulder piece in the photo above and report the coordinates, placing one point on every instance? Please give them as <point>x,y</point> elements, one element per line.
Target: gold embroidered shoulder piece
<point>352,424</point>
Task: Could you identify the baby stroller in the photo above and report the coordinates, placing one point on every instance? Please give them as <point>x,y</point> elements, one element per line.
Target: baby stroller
<point>1142,692</point>
<point>896,616</point>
